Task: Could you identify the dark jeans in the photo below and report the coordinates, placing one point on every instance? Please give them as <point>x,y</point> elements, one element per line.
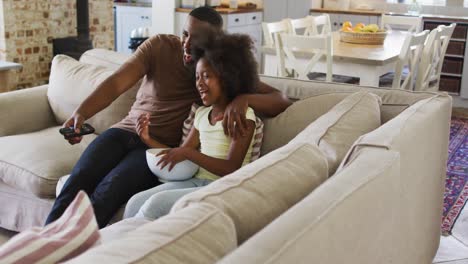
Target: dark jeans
<point>111,170</point>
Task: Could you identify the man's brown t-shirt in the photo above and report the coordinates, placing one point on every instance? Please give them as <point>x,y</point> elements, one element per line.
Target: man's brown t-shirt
<point>167,91</point>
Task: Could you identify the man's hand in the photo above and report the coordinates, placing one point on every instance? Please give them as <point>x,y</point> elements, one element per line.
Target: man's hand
<point>75,121</point>
<point>171,157</point>
<point>142,127</point>
<point>234,122</point>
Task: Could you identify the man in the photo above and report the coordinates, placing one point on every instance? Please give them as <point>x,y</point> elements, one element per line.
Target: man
<point>113,167</point>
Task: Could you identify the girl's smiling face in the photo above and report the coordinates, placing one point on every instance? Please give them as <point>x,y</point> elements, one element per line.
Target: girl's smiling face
<point>208,83</point>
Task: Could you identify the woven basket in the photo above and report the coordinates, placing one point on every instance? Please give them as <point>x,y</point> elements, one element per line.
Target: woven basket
<point>376,38</point>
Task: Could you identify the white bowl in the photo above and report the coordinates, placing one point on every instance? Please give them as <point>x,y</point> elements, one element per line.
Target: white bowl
<point>182,171</point>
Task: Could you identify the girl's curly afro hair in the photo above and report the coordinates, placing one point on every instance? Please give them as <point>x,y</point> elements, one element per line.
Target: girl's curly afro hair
<point>231,57</point>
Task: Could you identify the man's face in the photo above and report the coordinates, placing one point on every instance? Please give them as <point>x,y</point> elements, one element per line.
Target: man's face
<point>193,29</point>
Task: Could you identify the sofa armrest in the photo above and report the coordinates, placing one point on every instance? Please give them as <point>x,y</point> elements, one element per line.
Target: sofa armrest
<point>356,216</point>
<point>25,111</point>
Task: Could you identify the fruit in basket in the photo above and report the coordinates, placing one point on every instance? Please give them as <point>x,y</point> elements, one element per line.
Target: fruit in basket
<point>347,24</point>
<point>370,28</point>
<point>358,27</point>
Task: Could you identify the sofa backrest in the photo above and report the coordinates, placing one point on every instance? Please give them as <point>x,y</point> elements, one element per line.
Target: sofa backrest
<point>344,220</point>
<point>314,99</point>
<point>421,135</point>
<point>383,205</point>
<point>71,82</point>
<point>106,58</point>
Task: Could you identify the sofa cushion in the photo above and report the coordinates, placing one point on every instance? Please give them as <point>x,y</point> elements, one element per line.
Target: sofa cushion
<point>71,82</point>
<point>335,131</point>
<point>351,218</point>
<point>70,235</point>
<point>279,130</point>
<point>117,230</point>
<point>35,161</point>
<point>259,192</point>
<point>197,234</point>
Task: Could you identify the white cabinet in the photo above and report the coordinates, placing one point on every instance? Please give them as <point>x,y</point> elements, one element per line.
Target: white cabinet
<point>245,23</point>
<point>128,18</point>
<point>276,10</point>
<point>338,19</point>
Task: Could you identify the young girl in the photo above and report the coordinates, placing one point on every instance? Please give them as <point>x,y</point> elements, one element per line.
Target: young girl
<point>225,68</point>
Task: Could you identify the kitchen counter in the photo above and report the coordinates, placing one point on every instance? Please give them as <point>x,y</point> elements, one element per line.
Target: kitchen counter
<point>349,12</point>
<point>6,82</point>
<point>379,13</point>
<point>225,11</point>
<point>132,4</point>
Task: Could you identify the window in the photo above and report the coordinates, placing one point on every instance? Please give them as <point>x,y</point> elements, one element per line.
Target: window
<point>430,2</point>
<point>423,2</point>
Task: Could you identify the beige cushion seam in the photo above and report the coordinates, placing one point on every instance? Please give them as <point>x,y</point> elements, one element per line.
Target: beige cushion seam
<point>23,169</point>
<point>181,235</point>
<point>405,121</point>
<point>100,58</point>
<point>252,176</point>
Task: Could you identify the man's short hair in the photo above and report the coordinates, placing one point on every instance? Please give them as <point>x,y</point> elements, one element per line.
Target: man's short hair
<point>207,14</point>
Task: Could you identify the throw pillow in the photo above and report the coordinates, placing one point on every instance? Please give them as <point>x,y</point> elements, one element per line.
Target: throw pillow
<point>260,191</point>
<point>70,235</point>
<point>335,132</point>
<point>71,82</point>
<point>279,130</point>
<point>258,134</point>
<point>198,234</point>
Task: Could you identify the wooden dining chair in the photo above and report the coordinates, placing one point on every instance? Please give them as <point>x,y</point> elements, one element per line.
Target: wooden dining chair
<point>312,47</point>
<point>303,26</point>
<point>432,58</point>
<point>311,25</point>
<point>273,28</point>
<point>410,24</point>
<point>270,29</point>
<point>322,24</point>
<point>408,60</point>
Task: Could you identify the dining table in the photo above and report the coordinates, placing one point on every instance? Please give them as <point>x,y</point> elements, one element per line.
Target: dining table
<point>365,61</point>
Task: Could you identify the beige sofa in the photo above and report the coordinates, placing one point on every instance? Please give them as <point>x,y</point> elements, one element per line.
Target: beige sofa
<point>383,204</point>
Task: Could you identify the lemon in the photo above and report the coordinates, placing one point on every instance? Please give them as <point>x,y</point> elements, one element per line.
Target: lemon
<point>370,28</point>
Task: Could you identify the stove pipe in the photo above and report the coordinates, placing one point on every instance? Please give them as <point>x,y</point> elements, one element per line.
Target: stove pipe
<point>75,46</point>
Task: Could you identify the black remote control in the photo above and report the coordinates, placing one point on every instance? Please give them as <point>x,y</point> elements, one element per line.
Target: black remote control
<point>69,132</point>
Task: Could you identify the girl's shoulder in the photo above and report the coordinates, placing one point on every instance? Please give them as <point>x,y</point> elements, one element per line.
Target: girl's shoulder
<point>201,113</point>
<point>201,110</point>
<point>250,114</point>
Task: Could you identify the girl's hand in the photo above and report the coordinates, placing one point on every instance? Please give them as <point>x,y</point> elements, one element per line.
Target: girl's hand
<point>234,122</point>
<point>142,127</point>
<point>171,157</point>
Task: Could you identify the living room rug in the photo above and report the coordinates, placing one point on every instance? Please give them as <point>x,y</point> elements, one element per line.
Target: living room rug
<point>456,183</point>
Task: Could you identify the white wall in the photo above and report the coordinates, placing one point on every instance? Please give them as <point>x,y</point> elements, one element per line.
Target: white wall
<point>163,16</point>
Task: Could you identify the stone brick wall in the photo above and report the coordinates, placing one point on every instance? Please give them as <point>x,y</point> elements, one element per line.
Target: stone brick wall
<point>30,26</point>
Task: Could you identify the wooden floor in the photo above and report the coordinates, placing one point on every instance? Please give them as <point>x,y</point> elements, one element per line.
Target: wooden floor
<point>460,112</point>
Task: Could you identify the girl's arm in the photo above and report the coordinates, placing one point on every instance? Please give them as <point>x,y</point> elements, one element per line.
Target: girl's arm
<point>266,101</point>
<point>142,129</point>
<point>237,151</point>
<point>221,167</point>
<point>175,155</point>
